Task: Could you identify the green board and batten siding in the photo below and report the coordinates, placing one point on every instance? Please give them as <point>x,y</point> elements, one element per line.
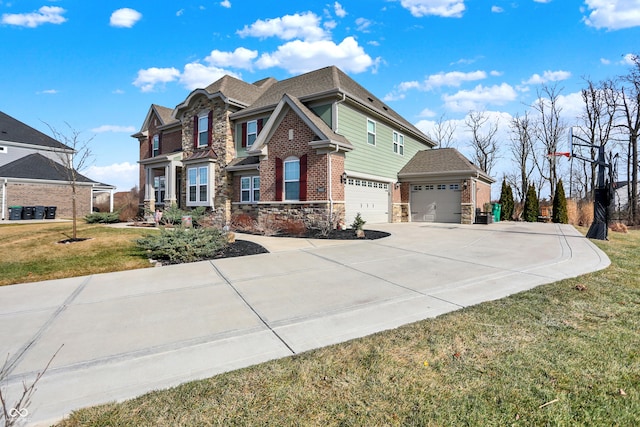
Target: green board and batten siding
<point>377,160</point>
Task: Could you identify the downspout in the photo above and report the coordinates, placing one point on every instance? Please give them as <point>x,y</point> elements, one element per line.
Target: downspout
<point>4,198</point>
<point>344,97</point>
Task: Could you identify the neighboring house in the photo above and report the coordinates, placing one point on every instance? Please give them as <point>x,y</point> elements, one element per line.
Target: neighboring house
<point>309,147</point>
<point>32,173</point>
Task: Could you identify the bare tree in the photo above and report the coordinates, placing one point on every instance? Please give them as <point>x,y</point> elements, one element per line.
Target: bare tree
<point>521,148</point>
<point>548,131</point>
<point>597,124</point>
<point>72,164</point>
<point>629,105</point>
<point>483,139</point>
<point>443,132</point>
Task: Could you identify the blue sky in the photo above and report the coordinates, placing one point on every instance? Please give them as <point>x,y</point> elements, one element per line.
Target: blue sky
<point>99,65</point>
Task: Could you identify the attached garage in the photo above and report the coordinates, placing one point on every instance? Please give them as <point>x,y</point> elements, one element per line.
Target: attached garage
<point>444,187</point>
<point>369,198</point>
<point>436,202</point>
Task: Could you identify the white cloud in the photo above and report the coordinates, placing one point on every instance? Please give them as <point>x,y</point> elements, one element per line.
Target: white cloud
<point>605,61</point>
<point>301,56</point>
<point>48,92</point>
<point>339,10</point>
<point>124,175</point>
<point>225,3</point>
<point>149,78</point>
<point>497,9</point>
<point>239,58</point>
<point>363,24</point>
<point>427,113</point>
<point>612,14</point>
<point>479,97</point>
<point>114,129</point>
<point>548,76</point>
<point>453,78</point>
<point>44,15</point>
<point>542,1</point>
<point>444,8</point>
<point>180,12</point>
<point>124,18</point>
<point>304,26</point>
<point>197,75</point>
<point>629,59</point>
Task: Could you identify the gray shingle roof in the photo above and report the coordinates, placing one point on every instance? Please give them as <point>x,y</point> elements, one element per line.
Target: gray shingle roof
<point>325,81</point>
<point>37,166</point>
<point>12,130</point>
<point>440,160</point>
<point>238,90</point>
<point>164,113</point>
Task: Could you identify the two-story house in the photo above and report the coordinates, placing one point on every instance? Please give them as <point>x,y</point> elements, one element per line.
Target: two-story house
<point>34,173</point>
<point>314,145</point>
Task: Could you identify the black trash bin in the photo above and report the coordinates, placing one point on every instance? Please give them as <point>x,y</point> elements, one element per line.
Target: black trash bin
<point>39,212</point>
<point>28,212</point>
<point>50,212</point>
<point>15,213</point>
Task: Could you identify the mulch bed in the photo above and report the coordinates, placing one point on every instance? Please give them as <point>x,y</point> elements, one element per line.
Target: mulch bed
<point>335,235</point>
<point>241,248</point>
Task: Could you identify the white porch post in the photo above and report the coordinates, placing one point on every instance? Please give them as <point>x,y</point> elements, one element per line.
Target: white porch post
<point>111,200</point>
<point>170,185</point>
<point>149,190</point>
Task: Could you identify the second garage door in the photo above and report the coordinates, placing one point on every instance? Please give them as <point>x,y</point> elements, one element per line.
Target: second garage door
<point>370,198</point>
<point>435,203</point>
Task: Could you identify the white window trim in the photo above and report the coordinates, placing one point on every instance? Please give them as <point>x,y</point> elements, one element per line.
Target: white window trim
<point>155,145</point>
<point>198,202</point>
<point>250,143</point>
<point>398,143</point>
<point>206,130</point>
<point>252,189</point>
<point>374,133</point>
<point>285,181</point>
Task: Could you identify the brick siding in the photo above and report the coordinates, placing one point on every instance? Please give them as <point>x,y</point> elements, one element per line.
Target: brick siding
<point>27,194</point>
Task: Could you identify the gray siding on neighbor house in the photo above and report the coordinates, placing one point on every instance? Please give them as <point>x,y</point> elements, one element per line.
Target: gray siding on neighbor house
<point>376,159</point>
<point>12,153</point>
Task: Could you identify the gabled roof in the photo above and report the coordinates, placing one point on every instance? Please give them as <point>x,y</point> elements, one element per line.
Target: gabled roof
<point>232,90</point>
<point>441,161</point>
<point>164,114</point>
<point>12,130</point>
<point>328,81</point>
<point>37,166</point>
<point>326,137</point>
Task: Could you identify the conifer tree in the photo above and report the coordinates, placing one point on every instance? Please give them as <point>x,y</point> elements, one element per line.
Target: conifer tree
<point>506,200</point>
<point>531,205</point>
<point>560,214</point>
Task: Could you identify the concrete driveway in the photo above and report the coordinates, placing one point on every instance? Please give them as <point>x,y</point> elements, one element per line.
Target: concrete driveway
<point>131,332</point>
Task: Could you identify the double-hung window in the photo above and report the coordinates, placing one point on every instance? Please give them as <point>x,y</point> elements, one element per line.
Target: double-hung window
<point>159,188</point>
<point>292,179</point>
<point>252,132</point>
<point>371,132</point>
<point>250,189</point>
<point>398,143</point>
<point>156,145</point>
<point>203,130</point>
<point>198,182</point>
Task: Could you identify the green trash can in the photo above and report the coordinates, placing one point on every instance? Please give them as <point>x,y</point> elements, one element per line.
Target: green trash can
<point>497,207</point>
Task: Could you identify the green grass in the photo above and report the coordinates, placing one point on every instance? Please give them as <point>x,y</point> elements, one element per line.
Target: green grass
<point>566,354</point>
<point>32,252</point>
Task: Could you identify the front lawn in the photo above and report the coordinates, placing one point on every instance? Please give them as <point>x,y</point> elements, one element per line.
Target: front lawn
<point>566,353</point>
<point>31,252</point>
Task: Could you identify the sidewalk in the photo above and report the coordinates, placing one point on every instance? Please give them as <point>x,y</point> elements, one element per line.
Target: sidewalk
<point>131,332</point>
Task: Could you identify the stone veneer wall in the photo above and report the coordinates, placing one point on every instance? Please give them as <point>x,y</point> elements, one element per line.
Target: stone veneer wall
<point>223,147</point>
<point>282,212</point>
<point>28,194</point>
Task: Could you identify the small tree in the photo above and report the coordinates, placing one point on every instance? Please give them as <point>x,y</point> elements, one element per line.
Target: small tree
<point>531,205</point>
<point>560,214</point>
<point>506,200</point>
<point>72,164</point>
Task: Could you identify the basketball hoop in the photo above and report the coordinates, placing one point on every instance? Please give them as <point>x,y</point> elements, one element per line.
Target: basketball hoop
<point>559,154</point>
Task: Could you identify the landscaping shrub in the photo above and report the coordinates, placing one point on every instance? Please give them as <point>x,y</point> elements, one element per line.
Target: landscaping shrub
<point>243,222</point>
<point>173,215</point>
<point>293,227</point>
<point>358,222</point>
<point>531,206</point>
<point>102,218</point>
<point>560,214</point>
<point>506,200</point>
<point>180,244</point>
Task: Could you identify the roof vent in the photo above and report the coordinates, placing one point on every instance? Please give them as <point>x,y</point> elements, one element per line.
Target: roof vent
<point>370,99</point>
<point>384,107</point>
